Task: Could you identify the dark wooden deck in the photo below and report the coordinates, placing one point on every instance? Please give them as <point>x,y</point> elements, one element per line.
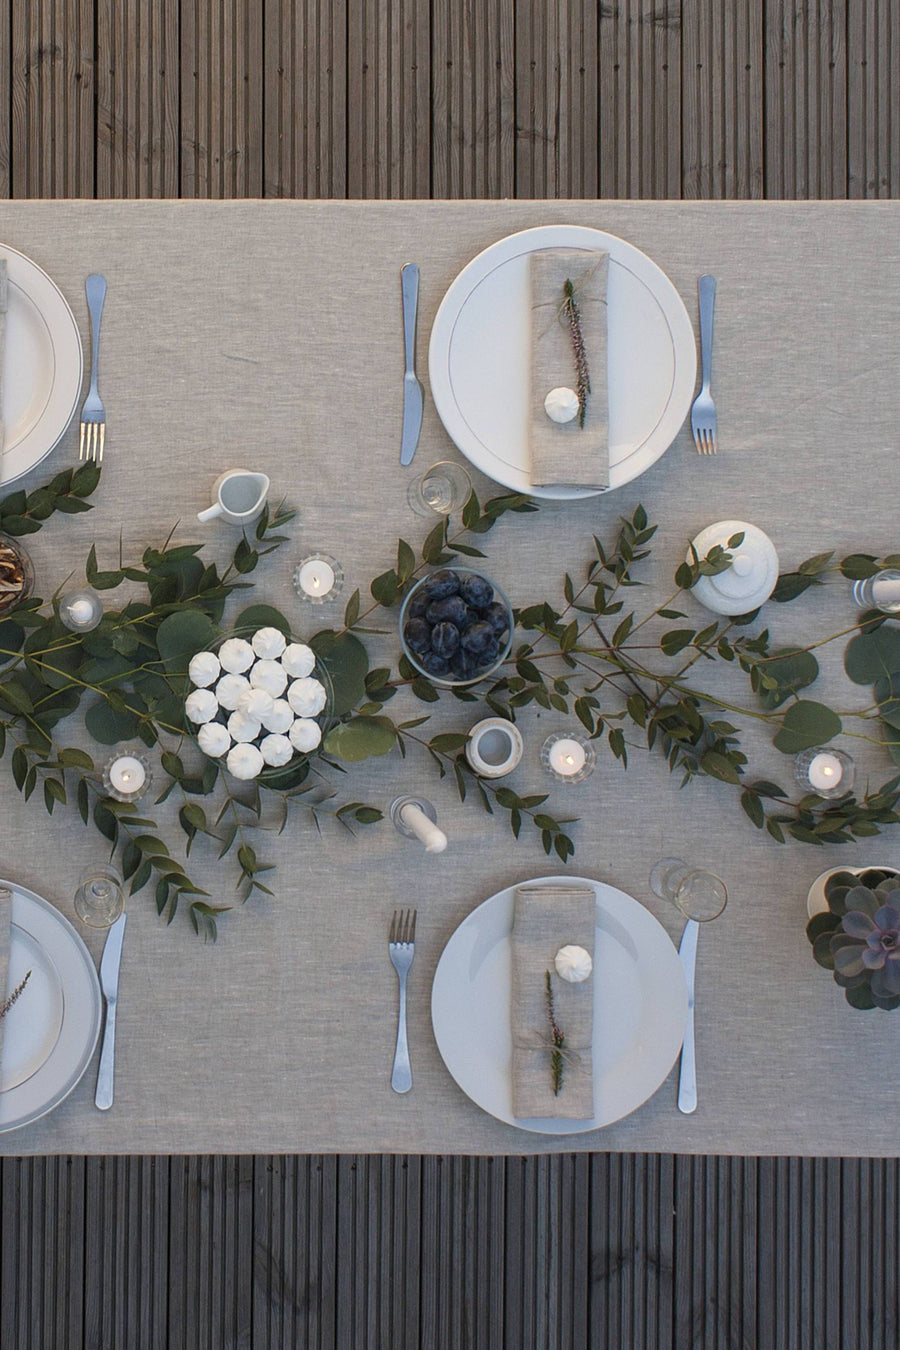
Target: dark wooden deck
<point>450,98</point>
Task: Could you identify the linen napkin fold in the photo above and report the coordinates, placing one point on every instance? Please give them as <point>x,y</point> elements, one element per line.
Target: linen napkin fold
<point>4,295</point>
<point>568,453</point>
<point>545,919</point>
<point>5,920</point>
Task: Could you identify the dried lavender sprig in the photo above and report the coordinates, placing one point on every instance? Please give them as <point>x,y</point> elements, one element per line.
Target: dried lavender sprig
<point>582,373</point>
<point>14,996</point>
<point>557,1062</point>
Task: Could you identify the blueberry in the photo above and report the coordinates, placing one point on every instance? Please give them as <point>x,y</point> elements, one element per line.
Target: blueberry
<point>444,638</point>
<point>433,664</point>
<point>451,609</point>
<point>418,635</point>
<point>477,638</point>
<point>475,590</point>
<point>497,616</point>
<point>441,584</point>
<point>417,606</point>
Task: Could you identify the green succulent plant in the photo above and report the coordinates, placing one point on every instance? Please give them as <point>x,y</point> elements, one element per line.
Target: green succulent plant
<point>858,937</point>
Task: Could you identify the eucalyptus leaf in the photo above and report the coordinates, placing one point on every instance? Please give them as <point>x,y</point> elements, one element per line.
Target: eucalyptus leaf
<point>873,656</point>
<point>347,663</point>
<point>792,670</point>
<point>182,635</point>
<point>108,726</point>
<point>805,724</point>
<point>360,738</point>
<point>262,616</point>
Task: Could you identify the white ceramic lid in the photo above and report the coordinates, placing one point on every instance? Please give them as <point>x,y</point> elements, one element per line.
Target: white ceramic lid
<point>753,573</point>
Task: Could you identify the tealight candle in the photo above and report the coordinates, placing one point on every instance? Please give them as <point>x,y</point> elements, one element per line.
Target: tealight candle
<point>828,773</point>
<point>81,611</point>
<point>417,818</point>
<point>568,757</point>
<point>318,578</point>
<point>126,777</point>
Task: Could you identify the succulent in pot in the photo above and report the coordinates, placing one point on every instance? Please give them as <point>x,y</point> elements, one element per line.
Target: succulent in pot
<point>858,936</point>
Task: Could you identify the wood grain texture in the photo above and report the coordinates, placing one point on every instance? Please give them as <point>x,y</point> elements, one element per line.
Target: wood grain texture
<point>473,115</point>
<point>722,99</point>
<point>305,95</point>
<point>806,87</point>
<point>52,113</point>
<point>221,98</point>
<point>137,99</point>
<point>388,76</point>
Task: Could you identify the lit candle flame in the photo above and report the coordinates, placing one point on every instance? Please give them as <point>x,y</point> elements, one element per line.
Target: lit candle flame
<point>570,759</point>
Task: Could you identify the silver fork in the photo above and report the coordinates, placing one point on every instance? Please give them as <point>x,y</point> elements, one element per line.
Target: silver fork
<point>402,949</point>
<point>703,412</point>
<point>93,414</point>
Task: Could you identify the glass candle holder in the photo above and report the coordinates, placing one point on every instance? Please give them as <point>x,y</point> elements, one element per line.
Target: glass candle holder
<point>16,573</point>
<point>100,897</point>
<point>568,756</point>
<point>698,894</point>
<point>318,578</point>
<point>440,490</point>
<point>882,591</point>
<point>82,610</point>
<point>127,776</point>
<point>827,772</point>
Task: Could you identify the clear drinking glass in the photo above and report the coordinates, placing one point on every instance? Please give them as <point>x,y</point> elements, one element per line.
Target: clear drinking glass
<point>879,592</point>
<point>100,897</point>
<point>698,894</point>
<point>440,490</point>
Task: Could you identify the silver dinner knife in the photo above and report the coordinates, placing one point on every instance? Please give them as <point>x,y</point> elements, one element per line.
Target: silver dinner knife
<point>109,983</point>
<point>687,1079</point>
<point>413,398</point>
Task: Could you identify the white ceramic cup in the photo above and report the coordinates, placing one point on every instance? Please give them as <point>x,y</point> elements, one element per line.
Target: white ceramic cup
<point>494,747</point>
<point>239,497</point>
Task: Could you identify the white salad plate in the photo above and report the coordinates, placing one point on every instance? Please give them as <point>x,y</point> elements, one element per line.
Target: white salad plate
<point>42,366</point>
<point>479,359</point>
<point>640,1007</point>
<point>50,1033</point>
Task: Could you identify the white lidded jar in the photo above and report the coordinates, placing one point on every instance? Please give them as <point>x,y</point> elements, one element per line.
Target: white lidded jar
<point>750,579</point>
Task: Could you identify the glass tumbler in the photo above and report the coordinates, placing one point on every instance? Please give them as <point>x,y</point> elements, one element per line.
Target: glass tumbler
<point>440,490</point>
<point>698,894</point>
<point>100,897</point>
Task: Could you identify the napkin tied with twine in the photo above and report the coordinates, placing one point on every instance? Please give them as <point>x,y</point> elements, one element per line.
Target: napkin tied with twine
<point>568,453</point>
<point>545,919</point>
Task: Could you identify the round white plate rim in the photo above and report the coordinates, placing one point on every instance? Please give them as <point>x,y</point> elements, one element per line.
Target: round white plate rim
<point>65,340</point>
<point>561,236</point>
<point>673,1023</point>
<point>84,974</point>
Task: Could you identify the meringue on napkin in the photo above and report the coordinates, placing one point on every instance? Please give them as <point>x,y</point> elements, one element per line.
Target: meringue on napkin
<point>567,453</point>
<point>547,918</point>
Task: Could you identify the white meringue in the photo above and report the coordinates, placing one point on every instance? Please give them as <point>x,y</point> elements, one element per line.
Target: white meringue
<point>243,728</point>
<point>307,697</point>
<point>305,734</point>
<point>561,404</point>
<point>204,669</point>
<point>276,749</point>
<point>573,964</point>
<point>236,656</point>
<point>201,705</point>
<point>298,660</point>
<point>229,690</point>
<point>268,643</point>
<point>269,675</point>
<point>244,761</point>
<point>213,739</point>
<point>255,703</point>
<point>280,717</point>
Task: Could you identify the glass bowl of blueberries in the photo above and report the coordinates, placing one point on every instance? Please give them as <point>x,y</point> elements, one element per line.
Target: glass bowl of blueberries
<point>456,626</point>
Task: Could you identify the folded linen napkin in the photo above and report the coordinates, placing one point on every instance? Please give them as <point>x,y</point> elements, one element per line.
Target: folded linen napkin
<point>4,295</point>
<point>5,920</point>
<point>545,919</point>
<point>567,452</point>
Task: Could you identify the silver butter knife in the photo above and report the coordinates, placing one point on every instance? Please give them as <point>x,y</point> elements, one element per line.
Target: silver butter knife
<point>109,983</point>
<point>413,398</point>
<point>687,1080</point>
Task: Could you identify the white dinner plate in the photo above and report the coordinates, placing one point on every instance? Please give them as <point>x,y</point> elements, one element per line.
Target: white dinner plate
<point>42,366</point>
<point>479,359</point>
<point>50,1033</point>
<point>640,1007</point>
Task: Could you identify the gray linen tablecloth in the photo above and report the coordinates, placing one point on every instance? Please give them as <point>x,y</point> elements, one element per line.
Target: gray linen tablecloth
<point>268,335</point>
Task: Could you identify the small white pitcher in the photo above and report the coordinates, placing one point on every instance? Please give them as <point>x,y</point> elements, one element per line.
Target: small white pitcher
<point>240,497</point>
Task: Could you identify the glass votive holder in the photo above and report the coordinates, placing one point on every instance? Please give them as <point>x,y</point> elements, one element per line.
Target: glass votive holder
<point>81,610</point>
<point>100,897</point>
<point>441,490</point>
<point>826,772</point>
<point>127,776</point>
<point>882,591</point>
<point>568,756</point>
<point>16,573</point>
<point>318,578</point>
<point>698,894</point>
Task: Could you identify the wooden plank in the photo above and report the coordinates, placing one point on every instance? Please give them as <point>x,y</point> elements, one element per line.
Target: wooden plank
<point>52,98</point>
<point>806,99</point>
<point>221,99</point>
<point>473,93</point>
<point>5,101</point>
<point>640,100</point>
<point>305,98</point>
<point>388,72</point>
<point>721,94</point>
<point>873,98</point>
<point>137,98</point>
